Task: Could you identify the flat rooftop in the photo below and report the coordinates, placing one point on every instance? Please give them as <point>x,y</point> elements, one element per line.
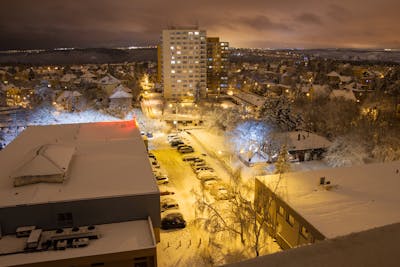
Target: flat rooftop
<point>110,160</point>
<point>360,198</point>
<point>114,238</point>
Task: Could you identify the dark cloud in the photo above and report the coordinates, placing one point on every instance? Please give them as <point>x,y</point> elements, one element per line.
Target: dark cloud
<point>262,23</point>
<point>250,23</point>
<point>309,18</point>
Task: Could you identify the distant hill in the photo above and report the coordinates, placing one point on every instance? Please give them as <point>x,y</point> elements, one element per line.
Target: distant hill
<point>79,56</point>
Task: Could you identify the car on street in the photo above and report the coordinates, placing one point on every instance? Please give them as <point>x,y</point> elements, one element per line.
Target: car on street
<point>198,164</point>
<point>154,163</point>
<point>185,150</point>
<point>173,221</point>
<point>176,143</point>
<point>203,168</point>
<point>206,175</point>
<point>162,179</point>
<point>209,182</point>
<point>220,192</point>
<point>190,158</point>
<point>168,204</point>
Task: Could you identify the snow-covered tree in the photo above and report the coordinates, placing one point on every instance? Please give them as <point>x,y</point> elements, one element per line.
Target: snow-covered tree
<point>346,151</point>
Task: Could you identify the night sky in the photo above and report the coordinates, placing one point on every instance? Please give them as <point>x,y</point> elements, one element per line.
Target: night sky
<point>250,23</point>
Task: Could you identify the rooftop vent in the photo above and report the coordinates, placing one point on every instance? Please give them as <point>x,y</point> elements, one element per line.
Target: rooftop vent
<point>49,163</point>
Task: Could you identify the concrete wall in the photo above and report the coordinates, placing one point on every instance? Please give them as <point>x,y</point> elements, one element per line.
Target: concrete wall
<point>84,212</point>
<point>288,234</point>
<point>124,259</point>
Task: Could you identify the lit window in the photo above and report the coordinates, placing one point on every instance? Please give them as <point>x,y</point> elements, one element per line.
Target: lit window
<point>179,62</point>
<point>178,52</point>
<point>172,71</point>
<point>172,61</point>
<point>304,232</point>
<point>172,47</point>
<point>290,219</point>
<point>190,33</point>
<point>196,33</point>
<point>281,210</point>
<point>179,81</point>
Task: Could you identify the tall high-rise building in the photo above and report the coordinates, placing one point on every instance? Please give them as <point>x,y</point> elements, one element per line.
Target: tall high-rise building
<point>183,63</point>
<point>217,59</point>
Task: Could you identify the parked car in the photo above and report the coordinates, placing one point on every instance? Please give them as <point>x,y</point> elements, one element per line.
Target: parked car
<point>176,142</point>
<point>203,168</point>
<point>154,163</point>
<point>168,204</point>
<point>185,150</point>
<point>173,221</point>
<point>162,179</point>
<point>197,161</point>
<point>197,164</point>
<point>209,182</point>
<point>220,192</point>
<point>206,175</point>
<point>190,158</point>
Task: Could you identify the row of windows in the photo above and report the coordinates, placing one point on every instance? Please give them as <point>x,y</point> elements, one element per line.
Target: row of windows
<point>291,221</point>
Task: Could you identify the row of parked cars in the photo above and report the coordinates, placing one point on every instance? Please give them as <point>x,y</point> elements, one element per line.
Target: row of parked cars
<point>176,141</point>
<point>171,217</point>
<point>208,177</point>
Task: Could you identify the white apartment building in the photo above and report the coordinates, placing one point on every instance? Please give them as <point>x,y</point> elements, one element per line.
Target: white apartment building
<point>184,67</point>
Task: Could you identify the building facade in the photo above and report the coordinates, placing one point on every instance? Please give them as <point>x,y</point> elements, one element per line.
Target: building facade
<point>217,59</point>
<point>79,185</point>
<point>183,63</point>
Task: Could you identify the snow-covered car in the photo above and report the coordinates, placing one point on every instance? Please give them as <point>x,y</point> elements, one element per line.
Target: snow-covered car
<point>220,192</point>
<point>162,179</point>
<point>168,204</point>
<point>190,158</point>
<point>173,221</point>
<point>197,164</point>
<point>209,182</point>
<point>176,143</point>
<point>206,175</point>
<point>203,168</point>
<point>151,155</point>
<point>154,163</point>
<point>187,149</point>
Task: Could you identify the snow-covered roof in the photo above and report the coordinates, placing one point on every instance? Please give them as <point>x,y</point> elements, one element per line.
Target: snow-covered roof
<point>249,98</point>
<point>122,88</point>
<point>346,94</point>
<point>358,197</point>
<point>110,159</point>
<point>67,77</point>
<point>120,94</point>
<point>376,247</point>
<point>114,238</point>
<point>302,140</point>
<point>68,94</point>
<point>109,79</point>
<point>333,74</point>
<point>320,89</point>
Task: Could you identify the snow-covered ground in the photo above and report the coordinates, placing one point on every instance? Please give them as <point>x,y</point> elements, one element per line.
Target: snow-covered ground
<point>194,245</point>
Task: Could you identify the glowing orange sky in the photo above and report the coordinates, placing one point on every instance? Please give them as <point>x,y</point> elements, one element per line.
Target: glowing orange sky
<point>250,23</point>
